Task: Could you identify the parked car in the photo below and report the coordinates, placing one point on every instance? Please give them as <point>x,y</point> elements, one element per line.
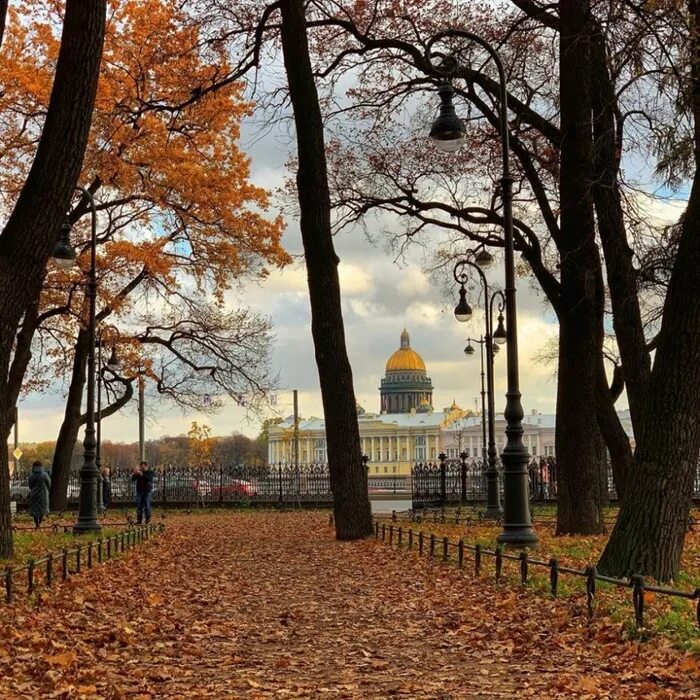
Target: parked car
<point>235,487</point>
<point>19,492</point>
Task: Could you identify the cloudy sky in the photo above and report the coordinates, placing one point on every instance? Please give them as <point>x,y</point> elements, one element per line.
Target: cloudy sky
<point>381,296</point>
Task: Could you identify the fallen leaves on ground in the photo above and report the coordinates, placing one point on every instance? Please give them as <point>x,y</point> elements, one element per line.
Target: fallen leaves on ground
<point>269,605</point>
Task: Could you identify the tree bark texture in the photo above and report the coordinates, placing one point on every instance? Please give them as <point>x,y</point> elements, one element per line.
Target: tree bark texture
<point>650,530</point>
<point>621,276</point>
<point>70,427</point>
<point>348,474</point>
<point>580,467</point>
<point>33,226</point>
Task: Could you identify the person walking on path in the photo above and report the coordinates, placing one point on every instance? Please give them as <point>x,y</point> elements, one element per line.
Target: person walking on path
<point>39,485</point>
<point>143,476</point>
<point>106,489</point>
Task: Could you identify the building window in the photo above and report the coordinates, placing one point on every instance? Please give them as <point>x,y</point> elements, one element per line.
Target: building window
<point>432,453</point>
<point>420,448</point>
<point>376,470</point>
<point>386,470</point>
<point>393,469</point>
<point>403,453</point>
<point>320,447</point>
<point>386,455</point>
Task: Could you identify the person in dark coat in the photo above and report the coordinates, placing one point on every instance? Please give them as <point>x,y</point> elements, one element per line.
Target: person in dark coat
<point>143,476</point>
<point>39,485</point>
<point>106,489</point>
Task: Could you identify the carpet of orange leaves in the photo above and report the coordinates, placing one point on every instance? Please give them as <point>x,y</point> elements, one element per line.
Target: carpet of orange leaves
<point>269,605</point>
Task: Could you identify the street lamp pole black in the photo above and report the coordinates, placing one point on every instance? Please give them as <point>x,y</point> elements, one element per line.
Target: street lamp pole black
<point>64,256</point>
<point>493,501</point>
<point>469,350</point>
<point>113,365</point>
<point>448,133</point>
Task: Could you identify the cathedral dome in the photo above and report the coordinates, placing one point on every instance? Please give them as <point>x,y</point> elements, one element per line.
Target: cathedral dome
<point>405,358</point>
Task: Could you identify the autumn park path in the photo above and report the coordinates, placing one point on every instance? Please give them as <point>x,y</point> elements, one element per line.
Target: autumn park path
<point>268,605</point>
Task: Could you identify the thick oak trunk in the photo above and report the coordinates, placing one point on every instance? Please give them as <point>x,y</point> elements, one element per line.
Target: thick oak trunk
<point>348,474</point>
<point>621,275</point>
<point>580,464</point>
<point>70,427</point>
<point>650,530</point>
<point>33,226</point>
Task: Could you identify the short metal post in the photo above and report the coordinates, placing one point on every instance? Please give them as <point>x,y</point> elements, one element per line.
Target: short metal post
<point>78,557</point>
<point>432,544</point>
<point>410,539</point>
<point>383,532</point>
<point>99,550</point>
<point>49,570</point>
<point>9,589</point>
<point>391,535</point>
<point>123,544</point>
<point>553,575</point>
<point>445,545</point>
<point>477,559</point>
<point>30,576</point>
<point>65,564</point>
<point>420,543</point>
<point>460,553</point>
<point>523,568</point>
<point>376,529</point>
<point>89,555</point>
<point>499,563</point>
<point>400,536</point>
<point>638,599</point>
<point>590,589</point>
<point>109,548</point>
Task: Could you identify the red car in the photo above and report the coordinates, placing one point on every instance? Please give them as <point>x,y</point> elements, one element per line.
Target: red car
<point>236,487</point>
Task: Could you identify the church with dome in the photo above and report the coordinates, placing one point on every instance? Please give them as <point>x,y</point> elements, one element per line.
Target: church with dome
<point>406,385</point>
<point>407,429</point>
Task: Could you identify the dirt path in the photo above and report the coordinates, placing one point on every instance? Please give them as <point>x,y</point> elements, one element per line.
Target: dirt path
<point>267,605</point>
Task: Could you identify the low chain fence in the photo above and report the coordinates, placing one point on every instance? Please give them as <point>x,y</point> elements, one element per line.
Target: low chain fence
<point>59,565</point>
<point>446,550</point>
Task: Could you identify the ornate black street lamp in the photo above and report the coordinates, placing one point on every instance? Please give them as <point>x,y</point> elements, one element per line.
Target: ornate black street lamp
<point>64,256</point>
<point>493,501</point>
<point>113,365</point>
<point>448,133</point>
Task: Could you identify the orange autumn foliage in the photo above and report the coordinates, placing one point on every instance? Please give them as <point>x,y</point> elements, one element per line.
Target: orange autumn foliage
<point>172,184</point>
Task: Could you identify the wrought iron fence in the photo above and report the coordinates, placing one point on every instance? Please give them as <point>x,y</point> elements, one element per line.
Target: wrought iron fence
<point>452,481</point>
<point>234,484</point>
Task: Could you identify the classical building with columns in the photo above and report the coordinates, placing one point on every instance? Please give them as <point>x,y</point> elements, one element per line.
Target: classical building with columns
<point>407,429</point>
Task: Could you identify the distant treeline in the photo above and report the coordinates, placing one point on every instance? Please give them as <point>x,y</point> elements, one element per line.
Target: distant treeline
<point>179,450</point>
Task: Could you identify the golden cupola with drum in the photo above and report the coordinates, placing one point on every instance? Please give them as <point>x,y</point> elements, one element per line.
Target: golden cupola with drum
<point>406,386</point>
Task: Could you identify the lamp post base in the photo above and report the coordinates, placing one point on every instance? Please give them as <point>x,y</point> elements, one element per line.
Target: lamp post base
<point>492,513</point>
<point>82,527</point>
<point>519,536</point>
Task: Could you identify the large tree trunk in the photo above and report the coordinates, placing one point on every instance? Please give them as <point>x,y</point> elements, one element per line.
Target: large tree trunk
<point>621,275</point>
<point>348,474</point>
<point>616,440</point>
<point>650,530</point>
<point>32,229</point>
<point>70,427</point>
<point>579,464</point>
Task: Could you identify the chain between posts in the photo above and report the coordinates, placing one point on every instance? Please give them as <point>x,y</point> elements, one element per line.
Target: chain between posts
<point>590,573</point>
<point>114,543</point>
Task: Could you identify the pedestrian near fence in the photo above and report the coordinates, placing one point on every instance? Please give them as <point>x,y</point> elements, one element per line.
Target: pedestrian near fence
<point>143,475</point>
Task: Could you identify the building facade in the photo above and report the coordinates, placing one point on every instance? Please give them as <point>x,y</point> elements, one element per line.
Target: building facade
<point>408,430</point>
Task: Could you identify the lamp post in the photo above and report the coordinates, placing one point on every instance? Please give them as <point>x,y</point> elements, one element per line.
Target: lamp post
<point>469,350</point>
<point>448,133</point>
<point>64,256</point>
<point>493,501</point>
<point>112,364</point>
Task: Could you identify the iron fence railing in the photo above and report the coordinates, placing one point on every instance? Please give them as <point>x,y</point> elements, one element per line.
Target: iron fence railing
<point>431,484</point>
<point>453,481</point>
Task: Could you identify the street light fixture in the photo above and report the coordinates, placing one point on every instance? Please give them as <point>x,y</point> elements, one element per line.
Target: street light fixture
<point>64,256</point>
<point>448,128</point>
<point>463,312</point>
<point>493,501</point>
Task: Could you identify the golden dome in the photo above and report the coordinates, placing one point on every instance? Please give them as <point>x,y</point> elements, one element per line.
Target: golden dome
<point>405,358</point>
